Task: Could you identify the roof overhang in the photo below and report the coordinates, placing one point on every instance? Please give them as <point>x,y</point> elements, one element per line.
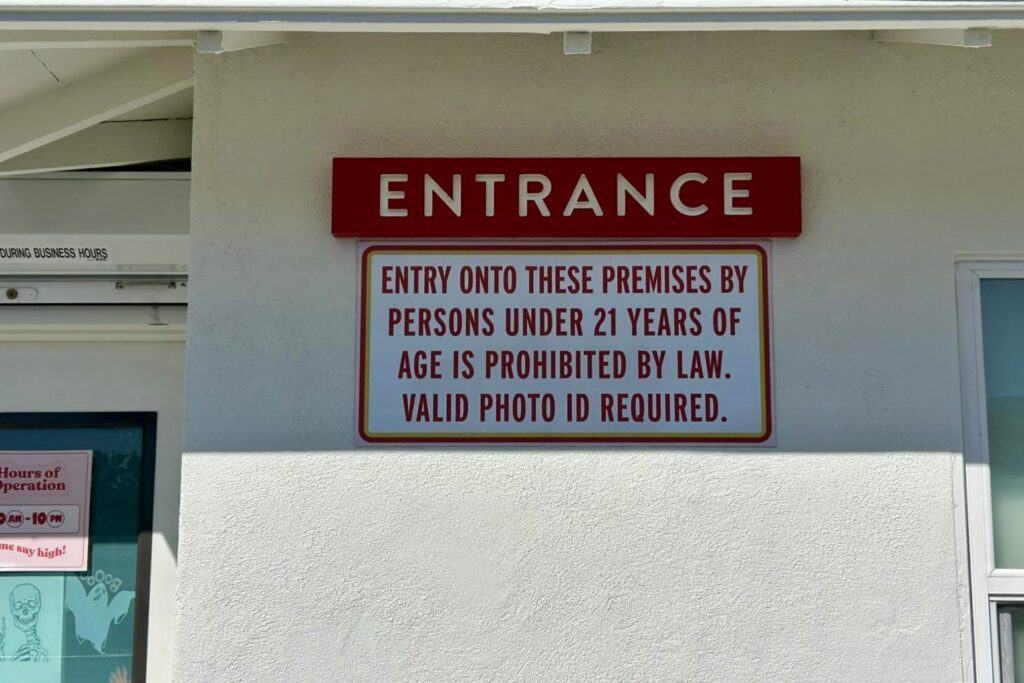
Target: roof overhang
<point>481,16</point>
<point>123,97</point>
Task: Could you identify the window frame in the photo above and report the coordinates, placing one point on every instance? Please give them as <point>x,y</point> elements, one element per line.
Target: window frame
<point>988,585</point>
<point>147,422</point>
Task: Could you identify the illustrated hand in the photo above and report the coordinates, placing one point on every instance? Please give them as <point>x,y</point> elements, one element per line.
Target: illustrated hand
<point>119,675</point>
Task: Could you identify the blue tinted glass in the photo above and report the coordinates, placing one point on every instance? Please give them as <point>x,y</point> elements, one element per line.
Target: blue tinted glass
<point>80,630</point>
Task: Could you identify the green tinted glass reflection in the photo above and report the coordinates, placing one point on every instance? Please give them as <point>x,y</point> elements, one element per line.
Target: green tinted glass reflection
<point>1002,316</point>
<point>78,628</point>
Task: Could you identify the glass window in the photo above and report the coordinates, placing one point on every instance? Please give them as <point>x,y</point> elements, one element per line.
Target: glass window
<point>990,311</point>
<point>81,628</point>
<point>1002,316</point>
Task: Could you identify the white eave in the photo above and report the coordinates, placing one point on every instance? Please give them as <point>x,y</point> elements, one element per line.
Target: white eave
<point>512,16</point>
<point>97,84</point>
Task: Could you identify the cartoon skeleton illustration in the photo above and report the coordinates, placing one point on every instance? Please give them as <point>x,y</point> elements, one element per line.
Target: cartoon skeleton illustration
<point>26,602</point>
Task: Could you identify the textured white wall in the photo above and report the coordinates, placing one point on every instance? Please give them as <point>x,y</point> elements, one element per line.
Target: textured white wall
<point>832,557</point>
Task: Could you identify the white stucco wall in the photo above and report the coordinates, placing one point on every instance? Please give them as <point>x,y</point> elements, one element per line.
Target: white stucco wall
<point>833,557</point>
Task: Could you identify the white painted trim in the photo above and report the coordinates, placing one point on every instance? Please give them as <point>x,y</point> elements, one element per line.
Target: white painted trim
<point>1012,600</point>
<point>507,16</point>
<point>975,470</point>
<point>1007,574</point>
<point>986,582</point>
<point>1001,584</point>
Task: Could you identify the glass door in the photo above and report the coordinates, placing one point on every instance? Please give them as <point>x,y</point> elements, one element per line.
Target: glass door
<point>86,627</point>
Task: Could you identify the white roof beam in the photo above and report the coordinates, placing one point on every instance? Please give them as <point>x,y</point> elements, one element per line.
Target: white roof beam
<point>217,42</point>
<point>70,40</point>
<point>114,143</point>
<point>971,37</point>
<point>80,104</point>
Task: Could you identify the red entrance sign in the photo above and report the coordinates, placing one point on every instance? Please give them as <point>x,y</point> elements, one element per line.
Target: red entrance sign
<point>590,198</point>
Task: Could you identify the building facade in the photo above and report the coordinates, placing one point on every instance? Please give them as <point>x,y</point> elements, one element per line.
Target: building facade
<point>871,539</point>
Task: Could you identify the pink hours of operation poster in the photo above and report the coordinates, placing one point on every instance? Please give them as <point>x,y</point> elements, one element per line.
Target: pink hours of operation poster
<point>44,510</point>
